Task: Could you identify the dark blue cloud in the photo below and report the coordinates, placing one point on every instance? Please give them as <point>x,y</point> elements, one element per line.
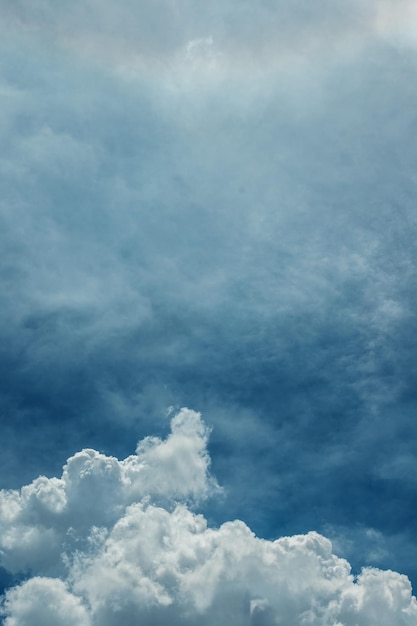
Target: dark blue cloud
<point>239,243</point>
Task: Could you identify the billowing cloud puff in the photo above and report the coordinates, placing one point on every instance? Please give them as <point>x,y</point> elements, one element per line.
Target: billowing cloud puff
<point>116,542</point>
<point>50,514</point>
<point>45,601</point>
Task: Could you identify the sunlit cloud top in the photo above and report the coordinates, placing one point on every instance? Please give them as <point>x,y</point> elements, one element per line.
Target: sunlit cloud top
<point>114,552</point>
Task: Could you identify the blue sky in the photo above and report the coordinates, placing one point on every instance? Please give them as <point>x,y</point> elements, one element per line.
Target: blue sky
<point>212,205</point>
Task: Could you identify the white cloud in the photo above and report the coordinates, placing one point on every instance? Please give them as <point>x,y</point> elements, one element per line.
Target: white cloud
<point>50,514</point>
<point>46,602</point>
<point>119,547</point>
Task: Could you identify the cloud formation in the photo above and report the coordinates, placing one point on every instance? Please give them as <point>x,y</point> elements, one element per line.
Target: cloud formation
<point>156,32</point>
<point>213,204</point>
<point>114,542</point>
<point>95,489</point>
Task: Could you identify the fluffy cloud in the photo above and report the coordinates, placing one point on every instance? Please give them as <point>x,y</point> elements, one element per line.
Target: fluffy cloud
<point>121,547</point>
<point>94,490</point>
<point>46,602</point>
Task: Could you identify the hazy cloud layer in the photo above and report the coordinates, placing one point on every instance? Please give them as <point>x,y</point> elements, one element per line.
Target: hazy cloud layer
<point>213,205</point>
<point>246,33</point>
<point>120,557</point>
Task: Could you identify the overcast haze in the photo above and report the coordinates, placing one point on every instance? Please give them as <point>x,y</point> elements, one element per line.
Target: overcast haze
<point>208,205</point>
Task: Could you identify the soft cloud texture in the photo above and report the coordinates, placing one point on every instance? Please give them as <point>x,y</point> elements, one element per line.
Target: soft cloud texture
<point>213,204</point>
<point>120,557</point>
<point>44,601</point>
<point>140,33</point>
<point>94,490</point>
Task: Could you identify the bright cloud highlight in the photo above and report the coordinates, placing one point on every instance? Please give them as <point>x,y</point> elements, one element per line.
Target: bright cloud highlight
<point>119,542</point>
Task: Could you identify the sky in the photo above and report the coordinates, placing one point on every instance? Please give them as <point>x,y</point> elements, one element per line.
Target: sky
<point>207,235</point>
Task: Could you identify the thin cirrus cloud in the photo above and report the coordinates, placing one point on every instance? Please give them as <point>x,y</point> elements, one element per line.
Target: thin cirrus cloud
<point>141,553</point>
<point>212,205</point>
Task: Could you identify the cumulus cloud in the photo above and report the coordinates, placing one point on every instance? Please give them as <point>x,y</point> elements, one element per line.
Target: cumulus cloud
<point>46,602</point>
<point>114,542</point>
<point>95,489</point>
